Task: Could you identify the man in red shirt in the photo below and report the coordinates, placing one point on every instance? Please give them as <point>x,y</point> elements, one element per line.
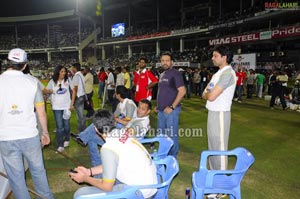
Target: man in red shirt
<point>102,77</point>
<point>241,77</point>
<point>143,80</point>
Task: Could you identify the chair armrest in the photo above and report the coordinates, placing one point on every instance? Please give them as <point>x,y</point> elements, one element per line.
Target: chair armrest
<point>148,140</point>
<point>127,191</point>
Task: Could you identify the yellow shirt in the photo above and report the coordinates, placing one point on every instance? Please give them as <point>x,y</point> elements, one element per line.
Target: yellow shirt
<point>127,80</point>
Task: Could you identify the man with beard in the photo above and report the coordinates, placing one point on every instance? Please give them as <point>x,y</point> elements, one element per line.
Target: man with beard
<point>171,90</point>
<point>144,81</point>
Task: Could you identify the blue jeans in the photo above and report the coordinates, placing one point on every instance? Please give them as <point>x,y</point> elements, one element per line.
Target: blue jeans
<point>79,108</point>
<point>168,124</point>
<point>101,89</point>
<point>239,92</point>
<point>62,128</point>
<point>89,136</point>
<point>12,155</point>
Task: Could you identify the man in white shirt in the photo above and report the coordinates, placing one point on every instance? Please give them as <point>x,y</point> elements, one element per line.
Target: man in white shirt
<point>219,93</point>
<point>19,137</point>
<point>119,82</point>
<point>124,159</point>
<point>78,95</point>
<point>89,90</point>
<point>110,82</point>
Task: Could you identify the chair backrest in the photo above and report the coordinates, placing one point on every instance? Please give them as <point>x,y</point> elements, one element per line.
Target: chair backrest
<point>167,169</point>
<point>244,160</point>
<point>165,144</point>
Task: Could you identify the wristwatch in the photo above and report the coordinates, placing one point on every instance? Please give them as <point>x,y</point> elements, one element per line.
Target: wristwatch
<point>171,107</point>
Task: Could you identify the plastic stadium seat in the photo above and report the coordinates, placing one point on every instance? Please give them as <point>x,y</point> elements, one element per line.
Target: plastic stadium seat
<point>167,169</point>
<point>228,182</point>
<point>165,144</point>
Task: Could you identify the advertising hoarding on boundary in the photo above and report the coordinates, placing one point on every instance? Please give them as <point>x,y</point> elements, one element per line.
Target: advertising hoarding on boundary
<point>247,61</point>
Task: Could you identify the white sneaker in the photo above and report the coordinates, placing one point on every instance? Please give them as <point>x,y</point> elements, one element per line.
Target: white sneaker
<point>60,149</point>
<point>66,143</point>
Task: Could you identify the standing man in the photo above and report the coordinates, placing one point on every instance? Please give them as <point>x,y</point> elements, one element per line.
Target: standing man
<point>144,81</point>
<point>204,74</point>
<point>126,76</point>
<point>19,96</point>
<point>102,77</point>
<point>110,83</point>
<point>171,90</point>
<point>241,76</point>
<point>89,89</point>
<point>260,84</point>
<point>78,95</point>
<point>219,94</point>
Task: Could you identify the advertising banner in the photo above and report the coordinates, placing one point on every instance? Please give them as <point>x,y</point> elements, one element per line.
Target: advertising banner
<point>247,61</point>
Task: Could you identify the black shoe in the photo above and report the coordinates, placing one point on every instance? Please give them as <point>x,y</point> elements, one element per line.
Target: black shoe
<point>77,139</point>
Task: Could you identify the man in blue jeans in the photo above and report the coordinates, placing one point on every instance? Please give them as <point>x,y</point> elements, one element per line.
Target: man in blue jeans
<point>89,137</point>
<point>19,137</point>
<point>171,90</point>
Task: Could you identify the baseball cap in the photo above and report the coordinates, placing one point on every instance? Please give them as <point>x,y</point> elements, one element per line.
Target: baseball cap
<point>17,55</point>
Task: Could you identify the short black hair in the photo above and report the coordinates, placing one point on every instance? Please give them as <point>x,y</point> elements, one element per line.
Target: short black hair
<point>77,66</point>
<point>122,91</point>
<point>110,70</point>
<point>16,66</point>
<point>119,69</point>
<point>144,58</point>
<point>104,121</point>
<point>145,101</point>
<point>224,51</point>
<point>167,54</point>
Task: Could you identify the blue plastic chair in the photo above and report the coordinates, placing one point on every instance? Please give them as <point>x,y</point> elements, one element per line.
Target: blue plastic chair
<point>165,144</point>
<point>167,169</point>
<point>228,182</point>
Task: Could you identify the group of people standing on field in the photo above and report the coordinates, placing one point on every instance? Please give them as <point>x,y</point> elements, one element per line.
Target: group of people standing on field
<point>122,159</point>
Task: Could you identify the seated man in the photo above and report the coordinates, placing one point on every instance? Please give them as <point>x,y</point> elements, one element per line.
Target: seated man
<point>126,109</point>
<point>140,124</point>
<point>124,159</point>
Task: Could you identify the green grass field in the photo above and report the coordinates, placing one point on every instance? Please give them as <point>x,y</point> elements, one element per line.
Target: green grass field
<point>273,136</point>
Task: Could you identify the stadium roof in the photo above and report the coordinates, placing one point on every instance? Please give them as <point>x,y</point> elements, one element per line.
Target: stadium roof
<point>9,8</point>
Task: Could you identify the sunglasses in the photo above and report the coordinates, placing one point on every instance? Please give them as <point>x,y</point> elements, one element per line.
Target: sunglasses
<point>60,89</point>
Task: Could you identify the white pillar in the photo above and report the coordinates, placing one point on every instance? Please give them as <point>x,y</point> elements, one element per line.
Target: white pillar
<point>103,53</point>
<point>157,48</point>
<point>49,56</point>
<point>181,45</point>
<point>80,56</point>
<point>129,51</point>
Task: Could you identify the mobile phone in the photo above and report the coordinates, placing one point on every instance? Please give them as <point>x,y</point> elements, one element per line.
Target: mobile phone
<point>73,171</point>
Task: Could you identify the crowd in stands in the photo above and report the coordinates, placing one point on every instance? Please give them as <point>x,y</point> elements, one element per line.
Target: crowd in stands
<point>40,41</point>
<point>64,38</point>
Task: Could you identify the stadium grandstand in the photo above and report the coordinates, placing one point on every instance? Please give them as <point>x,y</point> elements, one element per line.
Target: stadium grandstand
<point>75,31</point>
<point>263,34</point>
